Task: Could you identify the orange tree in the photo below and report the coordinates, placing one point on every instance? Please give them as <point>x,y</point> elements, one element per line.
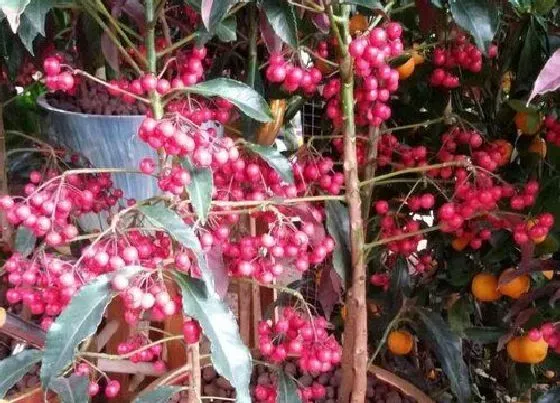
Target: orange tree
<point>422,205</point>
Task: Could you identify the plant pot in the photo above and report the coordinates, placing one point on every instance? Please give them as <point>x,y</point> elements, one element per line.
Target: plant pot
<point>106,141</point>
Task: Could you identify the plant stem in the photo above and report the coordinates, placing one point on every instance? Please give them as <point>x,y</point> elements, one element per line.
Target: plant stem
<point>354,355</point>
<point>369,171</point>
<point>6,236</point>
<point>388,329</point>
<point>400,237</point>
<point>176,45</point>
<point>93,13</point>
<point>252,62</point>
<point>423,168</point>
<point>130,354</point>
<point>414,125</point>
<point>151,56</point>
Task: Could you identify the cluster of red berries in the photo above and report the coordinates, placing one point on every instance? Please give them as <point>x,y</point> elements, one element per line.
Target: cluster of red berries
<point>50,208</point>
<point>56,78</point>
<point>319,170</point>
<point>292,77</point>
<point>267,256</point>
<point>535,230</point>
<point>144,354</point>
<point>390,227</point>
<point>552,126</point>
<point>549,332</point>
<point>203,110</point>
<point>525,198</point>
<point>179,136</point>
<point>378,80</point>
<point>406,156</point>
<point>308,339</point>
<point>112,387</point>
<point>460,54</point>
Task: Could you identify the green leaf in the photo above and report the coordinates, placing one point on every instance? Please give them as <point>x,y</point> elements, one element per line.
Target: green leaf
<point>72,389</point>
<point>447,347</point>
<point>25,241</point>
<point>544,6</point>
<point>14,367</point>
<point>27,33</point>
<point>77,321</point>
<point>230,357</point>
<point>200,189</point>
<point>484,334</point>
<point>338,225</point>
<point>521,106</point>
<point>275,159</point>
<point>36,12</point>
<point>478,17</point>
<point>160,395</point>
<point>160,216</point>
<point>550,396</point>
<point>459,316</point>
<point>241,95</point>
<point>282,19</point>
<point>227,29</point>
<point>287,389</point>
<point>13,9</point>
<point>213,12</point>
<point>365,3</point>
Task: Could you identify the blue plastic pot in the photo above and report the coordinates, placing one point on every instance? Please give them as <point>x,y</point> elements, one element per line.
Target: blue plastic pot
<point>106,141</point>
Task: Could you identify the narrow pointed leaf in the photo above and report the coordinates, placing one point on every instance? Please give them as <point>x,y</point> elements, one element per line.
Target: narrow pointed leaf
<point>77,321</point>
<point>275,159</point>
<point>200,189</point>
<point>240,94</point>
<point>549,77</point>
<point>213,12</point>
<point>448,349</point>
<point>25,241</point>
<point>478,17</point>
<point>13,9</point>
<point>230,357</point>
<point>160,395</point>
<point>287,389</point>
<point>72,389</point>
<point>14,367</point>
<point>338,225</point>
<point>280,14</point>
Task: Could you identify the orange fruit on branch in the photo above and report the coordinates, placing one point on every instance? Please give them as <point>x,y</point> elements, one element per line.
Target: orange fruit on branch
<point>400,342</point>
<point>406,69</point>
<point>522,349</point>
<point>484,287</point>
<point>528,123</point>
<point>516,287</point>
<point>538,146</point>
<point>358,24</point>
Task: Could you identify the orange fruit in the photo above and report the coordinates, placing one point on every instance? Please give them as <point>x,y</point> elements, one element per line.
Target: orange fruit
<point>344,312</point>
<point>505,148</point>
<point>461,243</point>
<point>417,56</point>
<point>548,274</point>
<point>406,69</point>
<point>400,342</point>
<point>528,123</point>
<point>538,146</point>
<point>516,287</point>
<point>522,349</point>
<point>484,287</point>
<point>358,23</point>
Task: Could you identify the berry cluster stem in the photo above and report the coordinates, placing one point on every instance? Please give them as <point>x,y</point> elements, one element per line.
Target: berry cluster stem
<point>354,355</point>
<point>151,56</point>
